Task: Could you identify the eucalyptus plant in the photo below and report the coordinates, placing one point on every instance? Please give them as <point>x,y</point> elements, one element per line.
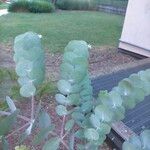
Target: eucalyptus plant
<point>93,117</point>
<point>83,117</point>
<point>30,67</point>
<point>141,142</point>
<point>29,59</point>
<point>110,106</point>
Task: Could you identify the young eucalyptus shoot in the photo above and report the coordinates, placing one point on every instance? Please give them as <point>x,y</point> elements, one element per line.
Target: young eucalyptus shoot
<point>29,59</point>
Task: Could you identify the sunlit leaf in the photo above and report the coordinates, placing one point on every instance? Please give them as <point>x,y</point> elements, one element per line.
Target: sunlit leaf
<point>87,106</point>
<point>145,138</point>
<point>78,47</point>
<point>69,124</point>
<point>115,99</point>
<point>28,90</point>
<point>91,134</point>
<point>74,99</point>
<point>61,110</point>
<point>125,87</point>
<point>103,113</point>
<point>129,146</point>
<point>95,121</point>
<point>77,116</point>
<point>21,147</point>
<point>23,68</point>
<point>104,129</point>
<point>61,99</point>
<point>24,80</point>
<point>135,140</point>
<point>64,87</point>
<point>29,129</point>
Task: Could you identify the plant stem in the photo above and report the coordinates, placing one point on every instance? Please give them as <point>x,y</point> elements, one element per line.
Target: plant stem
<point>4,113</point>
<point>32,107</point>
<point>65,144</point>
<point>71,140</point>
<point>22,127</point>
<point>62,127</point>
<point>65,134</point>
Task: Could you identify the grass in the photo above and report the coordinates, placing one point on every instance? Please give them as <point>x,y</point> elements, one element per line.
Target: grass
<point>57,29</point>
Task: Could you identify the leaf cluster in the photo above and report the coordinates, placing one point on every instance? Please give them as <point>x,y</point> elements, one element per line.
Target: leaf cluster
<point>29,59</point>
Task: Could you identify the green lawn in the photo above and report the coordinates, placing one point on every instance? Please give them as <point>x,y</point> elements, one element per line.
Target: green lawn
<point>3,5</point>
<point>57,29</point>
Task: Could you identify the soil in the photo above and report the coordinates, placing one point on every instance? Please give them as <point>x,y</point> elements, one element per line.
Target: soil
<point>102,61</point>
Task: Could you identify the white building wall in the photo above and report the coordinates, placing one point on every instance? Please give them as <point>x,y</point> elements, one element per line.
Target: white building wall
<point>136,30</point>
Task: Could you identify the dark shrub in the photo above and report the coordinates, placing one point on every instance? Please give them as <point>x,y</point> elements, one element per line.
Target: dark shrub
<point>21,5</point>
<point>76,4</point>
<point>41,6</point>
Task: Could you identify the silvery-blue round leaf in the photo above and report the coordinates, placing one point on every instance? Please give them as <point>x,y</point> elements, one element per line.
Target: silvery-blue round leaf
<point>94,121</point>
<point>28,90</point>
<point>115,99</point>
<point>91,134</point>
<point>129,146</point>
<point>24,80</point>
<point>37,75</point>
<point>135,140</point>
<point>61,99</point>
<point>104,128</point>
<point>74,99</point>
<point>125,87</point>
<point>87,106</point>
<point>129,102</point>
<point>23,68</point>
<point>78,47</point>
<point>145,138</point>
<point>64,87</point>
<point>61,110</point>
<point>103,113</point>
<point>69,57</point>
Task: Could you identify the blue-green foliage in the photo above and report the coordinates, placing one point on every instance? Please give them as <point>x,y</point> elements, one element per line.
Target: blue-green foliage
<point>135,142</point>
<point>29,59</point>
<point>111,105</point>
<point>75,86</point>
<point>94,117</point>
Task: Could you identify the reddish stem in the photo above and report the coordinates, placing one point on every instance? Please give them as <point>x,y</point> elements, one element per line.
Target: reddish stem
<point>62,127</point>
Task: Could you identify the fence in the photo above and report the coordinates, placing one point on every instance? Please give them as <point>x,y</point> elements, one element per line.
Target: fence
<point>113,6</point>
<point>114,3</point>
